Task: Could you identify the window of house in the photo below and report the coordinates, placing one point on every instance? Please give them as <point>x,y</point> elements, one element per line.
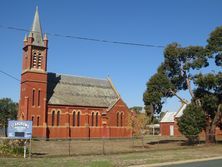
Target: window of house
<point>58,118</point>
<point>92,119</point>
<point>97,115</point>
<point>38,121</point>
<point>39,96</point>
<point>53,118</point>
<point>78,119</point>
<point>121,119</point>
<point>33,97</point>
<point>74,119</point>
<point>32,120</point>
<point>117,119</point>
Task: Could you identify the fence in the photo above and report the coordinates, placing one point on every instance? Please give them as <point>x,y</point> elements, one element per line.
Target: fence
<point>71,147</point>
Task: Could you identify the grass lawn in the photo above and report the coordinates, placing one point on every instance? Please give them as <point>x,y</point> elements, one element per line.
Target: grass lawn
<point>123,159</point>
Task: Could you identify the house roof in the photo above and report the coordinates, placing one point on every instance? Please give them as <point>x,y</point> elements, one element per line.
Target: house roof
<point>168,117</point>
<point>80,91</point>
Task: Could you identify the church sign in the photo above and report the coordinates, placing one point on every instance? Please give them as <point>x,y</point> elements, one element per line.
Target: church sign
<point>20,129</point>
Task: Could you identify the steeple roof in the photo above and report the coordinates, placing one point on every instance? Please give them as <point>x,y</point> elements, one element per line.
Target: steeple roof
<point>36,31</point>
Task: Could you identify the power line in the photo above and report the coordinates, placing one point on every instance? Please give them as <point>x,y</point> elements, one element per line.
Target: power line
<point>9,75</point>
<point>84,38</point>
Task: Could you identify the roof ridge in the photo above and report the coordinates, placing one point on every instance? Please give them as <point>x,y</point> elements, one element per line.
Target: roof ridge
<point>71,75</point>
<point>113,87</point>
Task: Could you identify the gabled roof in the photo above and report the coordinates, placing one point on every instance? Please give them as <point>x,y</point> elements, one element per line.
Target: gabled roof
<point>80,91</point>
<point>168,117</point>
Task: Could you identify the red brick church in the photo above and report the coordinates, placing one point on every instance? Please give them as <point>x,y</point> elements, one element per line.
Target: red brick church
<point>66,106</point>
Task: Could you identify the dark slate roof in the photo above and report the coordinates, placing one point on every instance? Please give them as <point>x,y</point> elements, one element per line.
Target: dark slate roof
<point>81,91</point>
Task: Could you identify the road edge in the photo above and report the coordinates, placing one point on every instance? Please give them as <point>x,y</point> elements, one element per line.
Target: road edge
<point>177,162</point>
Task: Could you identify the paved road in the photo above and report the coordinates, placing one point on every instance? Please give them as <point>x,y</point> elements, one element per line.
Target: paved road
<point>210,163</point>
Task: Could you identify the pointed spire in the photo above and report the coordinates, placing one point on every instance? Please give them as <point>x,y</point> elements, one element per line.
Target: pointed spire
<point>25,39</point>
<point>45,37</point>
<point>36,31</point>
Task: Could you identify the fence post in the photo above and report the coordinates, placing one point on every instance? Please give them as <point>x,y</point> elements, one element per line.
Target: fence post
<point>132,143</point>
<point>69,146</point>
<point>143,141</point>
<point>103,146</point>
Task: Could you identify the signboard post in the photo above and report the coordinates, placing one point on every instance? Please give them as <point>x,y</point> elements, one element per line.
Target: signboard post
<point>20,130</point>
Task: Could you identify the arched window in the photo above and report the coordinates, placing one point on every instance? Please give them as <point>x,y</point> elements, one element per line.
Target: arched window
<point>78,119</point>
<point>93,119</point>
<point>97,118</point>
<point>117,119</point>
<point>32,120</point>
<point>33,97</point>
<point>121,119</point>
<point>74,119</point>
<point>38,121</point>
<point>58,118</point>
<point>53,118</point>
<point>22,116</point>
<point>39,94</point>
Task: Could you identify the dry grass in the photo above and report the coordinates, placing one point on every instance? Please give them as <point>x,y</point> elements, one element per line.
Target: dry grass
<point>98,146</point>
<point>120,160</point>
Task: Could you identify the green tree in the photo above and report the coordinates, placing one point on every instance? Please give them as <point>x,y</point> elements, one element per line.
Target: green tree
<point>179,69</point>
<point>8,110</point>
<point>192,122</point>
<point>157,88</point>
<point>174,74</point>
<point>209,92</point>
<point>214,45</point>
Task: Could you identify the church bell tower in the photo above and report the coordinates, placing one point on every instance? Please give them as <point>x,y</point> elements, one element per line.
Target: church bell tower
<point>33,94</point>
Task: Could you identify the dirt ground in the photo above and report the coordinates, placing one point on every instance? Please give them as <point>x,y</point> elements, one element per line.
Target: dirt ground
<point>99,146</point>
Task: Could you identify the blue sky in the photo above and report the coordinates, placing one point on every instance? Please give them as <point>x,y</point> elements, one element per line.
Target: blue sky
<point>154,22</point>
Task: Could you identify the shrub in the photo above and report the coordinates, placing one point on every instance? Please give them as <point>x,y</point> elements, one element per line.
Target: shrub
<point>192,122</point>
<point>12,147</point>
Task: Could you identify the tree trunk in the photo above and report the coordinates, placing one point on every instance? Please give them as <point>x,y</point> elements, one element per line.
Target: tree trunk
<point>210,135</point>
<point>191,92</point>
<point>5,130</point>
<point>211,127</point>
<point>180,98</point>
<point>189,88</point>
